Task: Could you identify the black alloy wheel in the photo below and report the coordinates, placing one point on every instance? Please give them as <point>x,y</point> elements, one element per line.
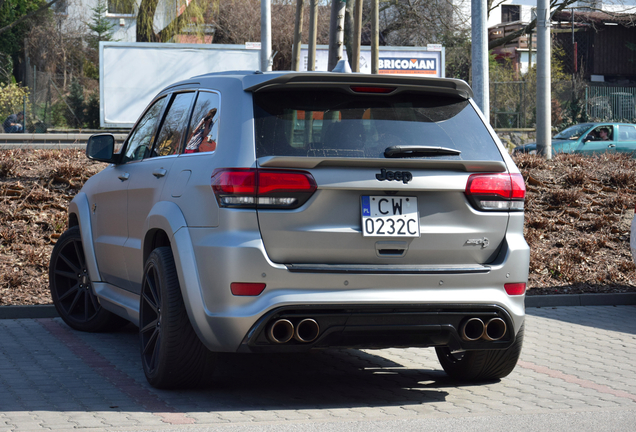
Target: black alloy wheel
<point>71,287</point>
<point>150,320</point>
<point>171,353</point>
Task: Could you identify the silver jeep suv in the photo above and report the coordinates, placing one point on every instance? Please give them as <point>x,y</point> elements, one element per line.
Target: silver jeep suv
<point>285,212</point>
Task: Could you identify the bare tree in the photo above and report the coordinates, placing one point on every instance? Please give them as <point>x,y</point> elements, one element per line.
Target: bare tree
<point>239,21</point>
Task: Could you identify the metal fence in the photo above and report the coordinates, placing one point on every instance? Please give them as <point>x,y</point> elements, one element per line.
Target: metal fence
<point>513,103</point>
<point>608,103</point>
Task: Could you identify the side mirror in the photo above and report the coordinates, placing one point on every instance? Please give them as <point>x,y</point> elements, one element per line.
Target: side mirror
<point>101,147</point>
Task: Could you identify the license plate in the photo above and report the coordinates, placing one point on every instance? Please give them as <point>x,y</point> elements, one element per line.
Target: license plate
<point>384,216</point>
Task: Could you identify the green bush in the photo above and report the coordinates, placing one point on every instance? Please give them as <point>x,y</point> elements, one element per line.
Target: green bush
<point>12,100</point>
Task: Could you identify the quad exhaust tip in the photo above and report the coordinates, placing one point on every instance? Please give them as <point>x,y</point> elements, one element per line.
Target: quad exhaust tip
<point>307,330</point>
<point>475,329</point>
<point>281,331</point>
<point>495,329</point>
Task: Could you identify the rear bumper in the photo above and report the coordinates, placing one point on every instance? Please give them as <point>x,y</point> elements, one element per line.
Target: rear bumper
<point>367,310</point>
<point>379,326</point>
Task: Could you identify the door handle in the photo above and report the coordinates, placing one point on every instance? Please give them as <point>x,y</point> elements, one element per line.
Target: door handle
<point>124,176</point>
<point>159,172</point>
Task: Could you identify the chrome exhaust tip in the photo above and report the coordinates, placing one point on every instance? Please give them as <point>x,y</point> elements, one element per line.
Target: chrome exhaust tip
<point>472,330</point>
<point>307,330</point>
<point>281,331</point>
<point>495,329</point>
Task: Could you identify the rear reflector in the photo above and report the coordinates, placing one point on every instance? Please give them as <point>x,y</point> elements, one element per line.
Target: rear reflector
<point>515,288</point>
<point>262,188</point>
<point>499,191</point>
<point>246,289</point>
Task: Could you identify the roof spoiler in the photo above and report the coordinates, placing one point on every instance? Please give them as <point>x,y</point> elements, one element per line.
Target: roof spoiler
<point>441,86</point>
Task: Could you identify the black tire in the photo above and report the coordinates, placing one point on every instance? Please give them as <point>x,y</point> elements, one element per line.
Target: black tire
<point>171,353</point>
<point>481,365</point>
<point>71,288</point>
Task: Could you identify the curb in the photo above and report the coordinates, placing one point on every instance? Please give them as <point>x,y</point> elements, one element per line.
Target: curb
<point>554,300</point>
<point>537,301</point>
<point>31,311</point>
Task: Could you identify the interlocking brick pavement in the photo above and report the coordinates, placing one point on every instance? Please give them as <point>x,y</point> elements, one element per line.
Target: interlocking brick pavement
<point>53,378</point>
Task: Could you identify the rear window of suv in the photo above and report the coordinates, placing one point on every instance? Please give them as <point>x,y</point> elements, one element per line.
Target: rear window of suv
<point>333,123</point>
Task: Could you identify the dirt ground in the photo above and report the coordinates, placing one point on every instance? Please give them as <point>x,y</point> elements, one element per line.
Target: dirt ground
<point>578,216</point>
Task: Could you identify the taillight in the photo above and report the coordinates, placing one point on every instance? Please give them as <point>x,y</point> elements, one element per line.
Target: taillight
<point>262,188</point>
<point>515,288</point>
<point>500,191</point>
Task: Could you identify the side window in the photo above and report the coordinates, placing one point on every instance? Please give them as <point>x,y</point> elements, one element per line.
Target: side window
<point>626,133</point>
<point>141,138</point>
<point>602,133</point>
<point>174,124</point>
<point>204,126</point>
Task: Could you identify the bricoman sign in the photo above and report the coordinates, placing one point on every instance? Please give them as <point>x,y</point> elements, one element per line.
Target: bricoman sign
<point>428,61</point>
<point>408,65</point>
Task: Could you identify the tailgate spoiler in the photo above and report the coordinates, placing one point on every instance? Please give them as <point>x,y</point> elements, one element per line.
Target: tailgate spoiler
<point>314,162</point>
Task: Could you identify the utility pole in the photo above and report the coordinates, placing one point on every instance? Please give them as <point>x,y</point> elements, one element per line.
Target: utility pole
<point>336,32</point>
<point>266,35</point>
<point>375,37</point>
<point>479,52</point>
<point>313,32</point>
<point>354,60</point>
<point>544,121</point>
<point>298,33</point>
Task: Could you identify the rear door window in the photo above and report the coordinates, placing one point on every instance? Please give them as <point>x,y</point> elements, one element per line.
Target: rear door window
<point>174,124</point>
<point>333,123</point>
<point>626,133</point>
<point>204,126</point>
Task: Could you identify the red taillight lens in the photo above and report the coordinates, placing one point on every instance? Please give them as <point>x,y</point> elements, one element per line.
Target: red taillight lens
<point>278,181</point>
<point>515,288</point>
<point>254,187</point>
<point>518,186</point>
<point>246,289</point>
<point>237,181</point>
<point>500,191</point>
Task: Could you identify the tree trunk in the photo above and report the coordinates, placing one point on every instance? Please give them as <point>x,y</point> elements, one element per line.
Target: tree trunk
<point>145,21</point>
<point>336,29</point>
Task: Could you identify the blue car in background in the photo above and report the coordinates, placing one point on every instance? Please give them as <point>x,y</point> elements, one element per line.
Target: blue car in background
<point>589,138</point>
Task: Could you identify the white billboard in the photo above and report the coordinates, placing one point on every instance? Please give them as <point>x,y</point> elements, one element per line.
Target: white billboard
<point>393,60</point>
<point>131,74</point>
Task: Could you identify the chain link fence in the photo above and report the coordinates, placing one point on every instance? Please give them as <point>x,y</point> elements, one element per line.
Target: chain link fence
<point>61,102</point>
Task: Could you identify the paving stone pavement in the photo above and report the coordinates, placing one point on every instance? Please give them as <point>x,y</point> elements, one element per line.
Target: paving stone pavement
<point>574,359</point>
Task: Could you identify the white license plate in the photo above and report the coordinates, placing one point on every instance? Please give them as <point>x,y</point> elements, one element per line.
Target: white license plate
<point>387,216</point>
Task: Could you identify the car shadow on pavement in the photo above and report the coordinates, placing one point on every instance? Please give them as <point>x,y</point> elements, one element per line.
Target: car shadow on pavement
<point>321,380</point>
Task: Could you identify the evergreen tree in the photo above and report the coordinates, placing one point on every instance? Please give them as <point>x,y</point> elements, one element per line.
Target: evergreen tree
<point>100,25</point>
<point>76,104</point>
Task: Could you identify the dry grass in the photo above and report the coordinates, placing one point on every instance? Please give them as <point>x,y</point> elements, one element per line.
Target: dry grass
<point>578,215</point>
<point>35,189</point>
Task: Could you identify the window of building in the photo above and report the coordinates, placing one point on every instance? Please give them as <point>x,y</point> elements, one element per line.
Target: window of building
<point>510,13</point>
<point>121,7</point>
